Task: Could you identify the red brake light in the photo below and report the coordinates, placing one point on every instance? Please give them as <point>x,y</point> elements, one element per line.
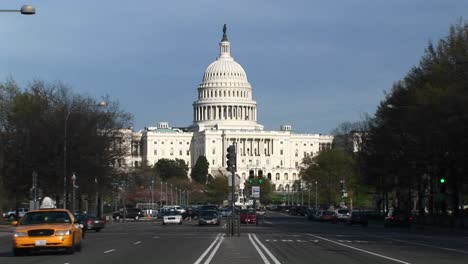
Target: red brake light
<point>88,221</point>
<point>391,217</point>
<point>411,218</point>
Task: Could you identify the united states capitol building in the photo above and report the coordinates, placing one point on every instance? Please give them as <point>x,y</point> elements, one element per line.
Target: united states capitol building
<point>225,113</point>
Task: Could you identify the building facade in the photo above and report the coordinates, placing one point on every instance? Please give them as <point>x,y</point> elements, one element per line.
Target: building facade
<point>223,114</point>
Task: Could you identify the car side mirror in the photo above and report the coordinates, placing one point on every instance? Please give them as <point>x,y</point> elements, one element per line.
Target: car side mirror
<point>14,223</point>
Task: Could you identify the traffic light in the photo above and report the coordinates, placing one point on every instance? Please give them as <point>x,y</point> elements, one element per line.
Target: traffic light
<point>442,184</point>
<point>231,158</point>
<point>442,180</point>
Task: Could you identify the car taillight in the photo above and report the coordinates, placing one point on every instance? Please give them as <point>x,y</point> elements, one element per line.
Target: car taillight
<point>89,221</point>
<point>411,218</point>
<point>392,218</point>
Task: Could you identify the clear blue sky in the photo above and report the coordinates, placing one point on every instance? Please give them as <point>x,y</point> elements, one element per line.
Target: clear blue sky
<point>312,64</point>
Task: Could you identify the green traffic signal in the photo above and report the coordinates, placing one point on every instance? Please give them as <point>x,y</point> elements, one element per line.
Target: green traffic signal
<point>260,181</point>
<point>251,181</point>
<point>442,180</point>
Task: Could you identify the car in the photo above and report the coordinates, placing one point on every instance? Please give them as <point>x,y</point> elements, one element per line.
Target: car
<point>190,213</point>
<point>225,212</point>
<point>209,217</point>
<point>397,217</point>
<point>133,213</point>
<point>357,217</point>
<point>318,214</point>
<point>248,216</point>
<point>47,228</point>
<point>311,213</point>
<point>329,216</point>
<point>174,207</point>
<point>90,222</point>
<point>172,217</point>
<point>343,214</point>
<point>11,215</point>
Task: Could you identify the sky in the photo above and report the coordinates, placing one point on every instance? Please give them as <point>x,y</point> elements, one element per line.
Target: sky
<point>312,64</point>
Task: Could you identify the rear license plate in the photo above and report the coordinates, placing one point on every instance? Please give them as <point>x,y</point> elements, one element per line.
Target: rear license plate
<point>41,242</point>
<point>171,218</point>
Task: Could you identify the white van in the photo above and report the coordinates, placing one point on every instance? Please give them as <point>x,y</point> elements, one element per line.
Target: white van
<point>174,207</point>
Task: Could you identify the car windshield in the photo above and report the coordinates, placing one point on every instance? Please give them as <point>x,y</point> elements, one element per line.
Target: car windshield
<point>248,211</point>
<point>47,217</point>
<point>208,213</point>
<point>172,213</point>
<point>343,211</point>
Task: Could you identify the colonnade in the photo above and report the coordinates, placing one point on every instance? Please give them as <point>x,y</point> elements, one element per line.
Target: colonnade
<point>224,112</point>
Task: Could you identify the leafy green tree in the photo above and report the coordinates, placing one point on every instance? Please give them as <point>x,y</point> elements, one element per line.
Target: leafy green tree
<point>200,170</point>
<point>168,168</point>
<point>217,190</point>
<point>328,169</point>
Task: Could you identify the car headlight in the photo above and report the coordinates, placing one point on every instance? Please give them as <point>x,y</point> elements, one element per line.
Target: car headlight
<point>62,232</point>
<point>20,234</point>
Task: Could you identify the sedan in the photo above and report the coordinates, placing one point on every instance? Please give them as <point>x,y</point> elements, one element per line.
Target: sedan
<point>329,216</point>
<point>398,218</point>
<point>90,222</point>
<point>209,217</point>
<point>172,217</point>
<point>248,216</point>
<point>357,217</point>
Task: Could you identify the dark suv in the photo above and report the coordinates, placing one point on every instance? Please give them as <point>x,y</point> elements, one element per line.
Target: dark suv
<point>133,213</point>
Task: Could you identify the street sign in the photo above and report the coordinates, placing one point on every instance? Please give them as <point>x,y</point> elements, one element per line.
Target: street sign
<point>255,192</point>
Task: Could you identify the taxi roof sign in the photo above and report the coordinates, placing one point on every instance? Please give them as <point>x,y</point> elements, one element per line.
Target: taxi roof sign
<point>48,203</point>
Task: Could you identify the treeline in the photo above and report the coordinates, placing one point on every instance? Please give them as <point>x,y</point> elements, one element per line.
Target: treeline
<point>47,129</point>
<point>413,153</point>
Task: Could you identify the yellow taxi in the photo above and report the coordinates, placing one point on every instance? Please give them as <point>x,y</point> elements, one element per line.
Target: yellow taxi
<point>47,228</point>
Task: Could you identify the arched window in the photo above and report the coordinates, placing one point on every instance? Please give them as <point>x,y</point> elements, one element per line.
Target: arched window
<point>277,176</point>
<point>269,176</point>
<point>294,176</point>
<point>286,177</point>
<point>287,187</point>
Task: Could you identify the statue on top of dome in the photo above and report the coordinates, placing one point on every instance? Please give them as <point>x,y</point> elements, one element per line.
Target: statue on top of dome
<point>224,33</point>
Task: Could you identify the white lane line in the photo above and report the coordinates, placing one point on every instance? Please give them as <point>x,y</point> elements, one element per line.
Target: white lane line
<point>431,246</point>
<point>207,250</point>
<point>109,251</point>
<point>358,249</point>
<point>224,226</point>
<point>265,260</point>
<point>275,260</point>
<point>136,243</point>
<point>208,260</point>
<point>155,237</point>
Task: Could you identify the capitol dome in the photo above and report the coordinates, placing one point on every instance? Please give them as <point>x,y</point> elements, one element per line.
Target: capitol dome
<point>225,95</point>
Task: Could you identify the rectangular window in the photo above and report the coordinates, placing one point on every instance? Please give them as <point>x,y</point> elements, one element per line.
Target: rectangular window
<point>180,152</point>
<point>297,164</point>
<point>155,152</point>
<point>188,152</point>
<point>155,142</point>
<point>214,151</point>
<point>281,152</point>
<point>213,163</point>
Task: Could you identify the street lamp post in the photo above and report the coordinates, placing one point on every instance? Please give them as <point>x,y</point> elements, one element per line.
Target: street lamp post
<point>97,197</point>
<point>160,196</point>
<point>25,10</point>
<point>172,200</point>
<point>73,192</point>
<point>316,197</point>
<point>165,194</point>
<point>152,195</point>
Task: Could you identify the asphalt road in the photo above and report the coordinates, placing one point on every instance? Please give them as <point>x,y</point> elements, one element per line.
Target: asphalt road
<point>281,239</point>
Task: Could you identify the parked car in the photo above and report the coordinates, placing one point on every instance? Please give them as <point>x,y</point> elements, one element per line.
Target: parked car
<point>175,207</point>
<point>343,214</point>
<point>133,213</point>
<point>248,216</point>
<point>209,217</point>
<point>357,217</point>
<point>172,217</point>
<point>11,215</point>
<point>397,217</point>
<point>90,222</point>
<point>329,216</point>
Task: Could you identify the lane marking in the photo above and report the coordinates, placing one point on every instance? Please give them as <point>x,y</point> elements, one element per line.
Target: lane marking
<point>362,250</point>
<point>275,260</point>
<point>224,226</point>
<point>208,260</point>
<point>265,260</point>
<point>431,246</point>
<point>155,237</point>
<point>109,251</point>
<point>207,250</point>
<point>136,243</point>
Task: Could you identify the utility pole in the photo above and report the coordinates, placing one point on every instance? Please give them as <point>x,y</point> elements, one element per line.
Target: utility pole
<point>316,200</point>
